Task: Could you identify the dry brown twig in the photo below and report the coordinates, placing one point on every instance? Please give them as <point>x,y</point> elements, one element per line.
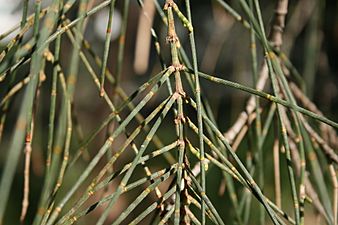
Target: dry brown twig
<point>328,133</point>
<point>309,189</point>
<point>143,38</point>
<point>275,37</point>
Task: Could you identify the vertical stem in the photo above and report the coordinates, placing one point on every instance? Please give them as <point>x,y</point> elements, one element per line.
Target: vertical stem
<point>74,61</point>
<point>106,45</point>
<point>120,55</point>
<point>24,13</point>
<point>258,125</point>
<point>61,131</point>
<point>270,57</point>
<point>277,173</point>
<point>68,134</point>
<point>53,94</point>
<point>122,39</point>
<point>27,151</point>
<point>174,44</point>
<point>29,128</point>
<point>26,111</point>
<point>199,110</point>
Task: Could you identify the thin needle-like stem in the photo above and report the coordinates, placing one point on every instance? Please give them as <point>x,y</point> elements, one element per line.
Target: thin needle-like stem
<point>51,125</point>
<point>174,44</point>
<point>277,173</point>
<point>29,129</point>
<point>271,98</point>
<point>106,45</point>
<point>25,116</point>
<point>199,109</point>
<point>128,174</point>
<point>122,40</point>
<point>105,148</point>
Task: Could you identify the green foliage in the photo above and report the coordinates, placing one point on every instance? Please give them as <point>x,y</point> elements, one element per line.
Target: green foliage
<point>157,154</point>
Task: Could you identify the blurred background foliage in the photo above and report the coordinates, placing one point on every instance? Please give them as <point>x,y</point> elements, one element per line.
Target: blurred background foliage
<point>310,40</point>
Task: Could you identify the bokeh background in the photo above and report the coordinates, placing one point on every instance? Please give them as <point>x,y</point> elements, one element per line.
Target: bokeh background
<point>310,40</point>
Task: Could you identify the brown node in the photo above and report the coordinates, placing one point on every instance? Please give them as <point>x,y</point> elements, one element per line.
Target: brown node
<point>180,119</point>
<point>28,138</point>
<point>187,165</point>
<point>48,55</point>
<point>181,143</point>
<point>179,67</point>
<point>172,38</point>
<point>181,92</point>
<point>168,3</point>
<point>42,76</point>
